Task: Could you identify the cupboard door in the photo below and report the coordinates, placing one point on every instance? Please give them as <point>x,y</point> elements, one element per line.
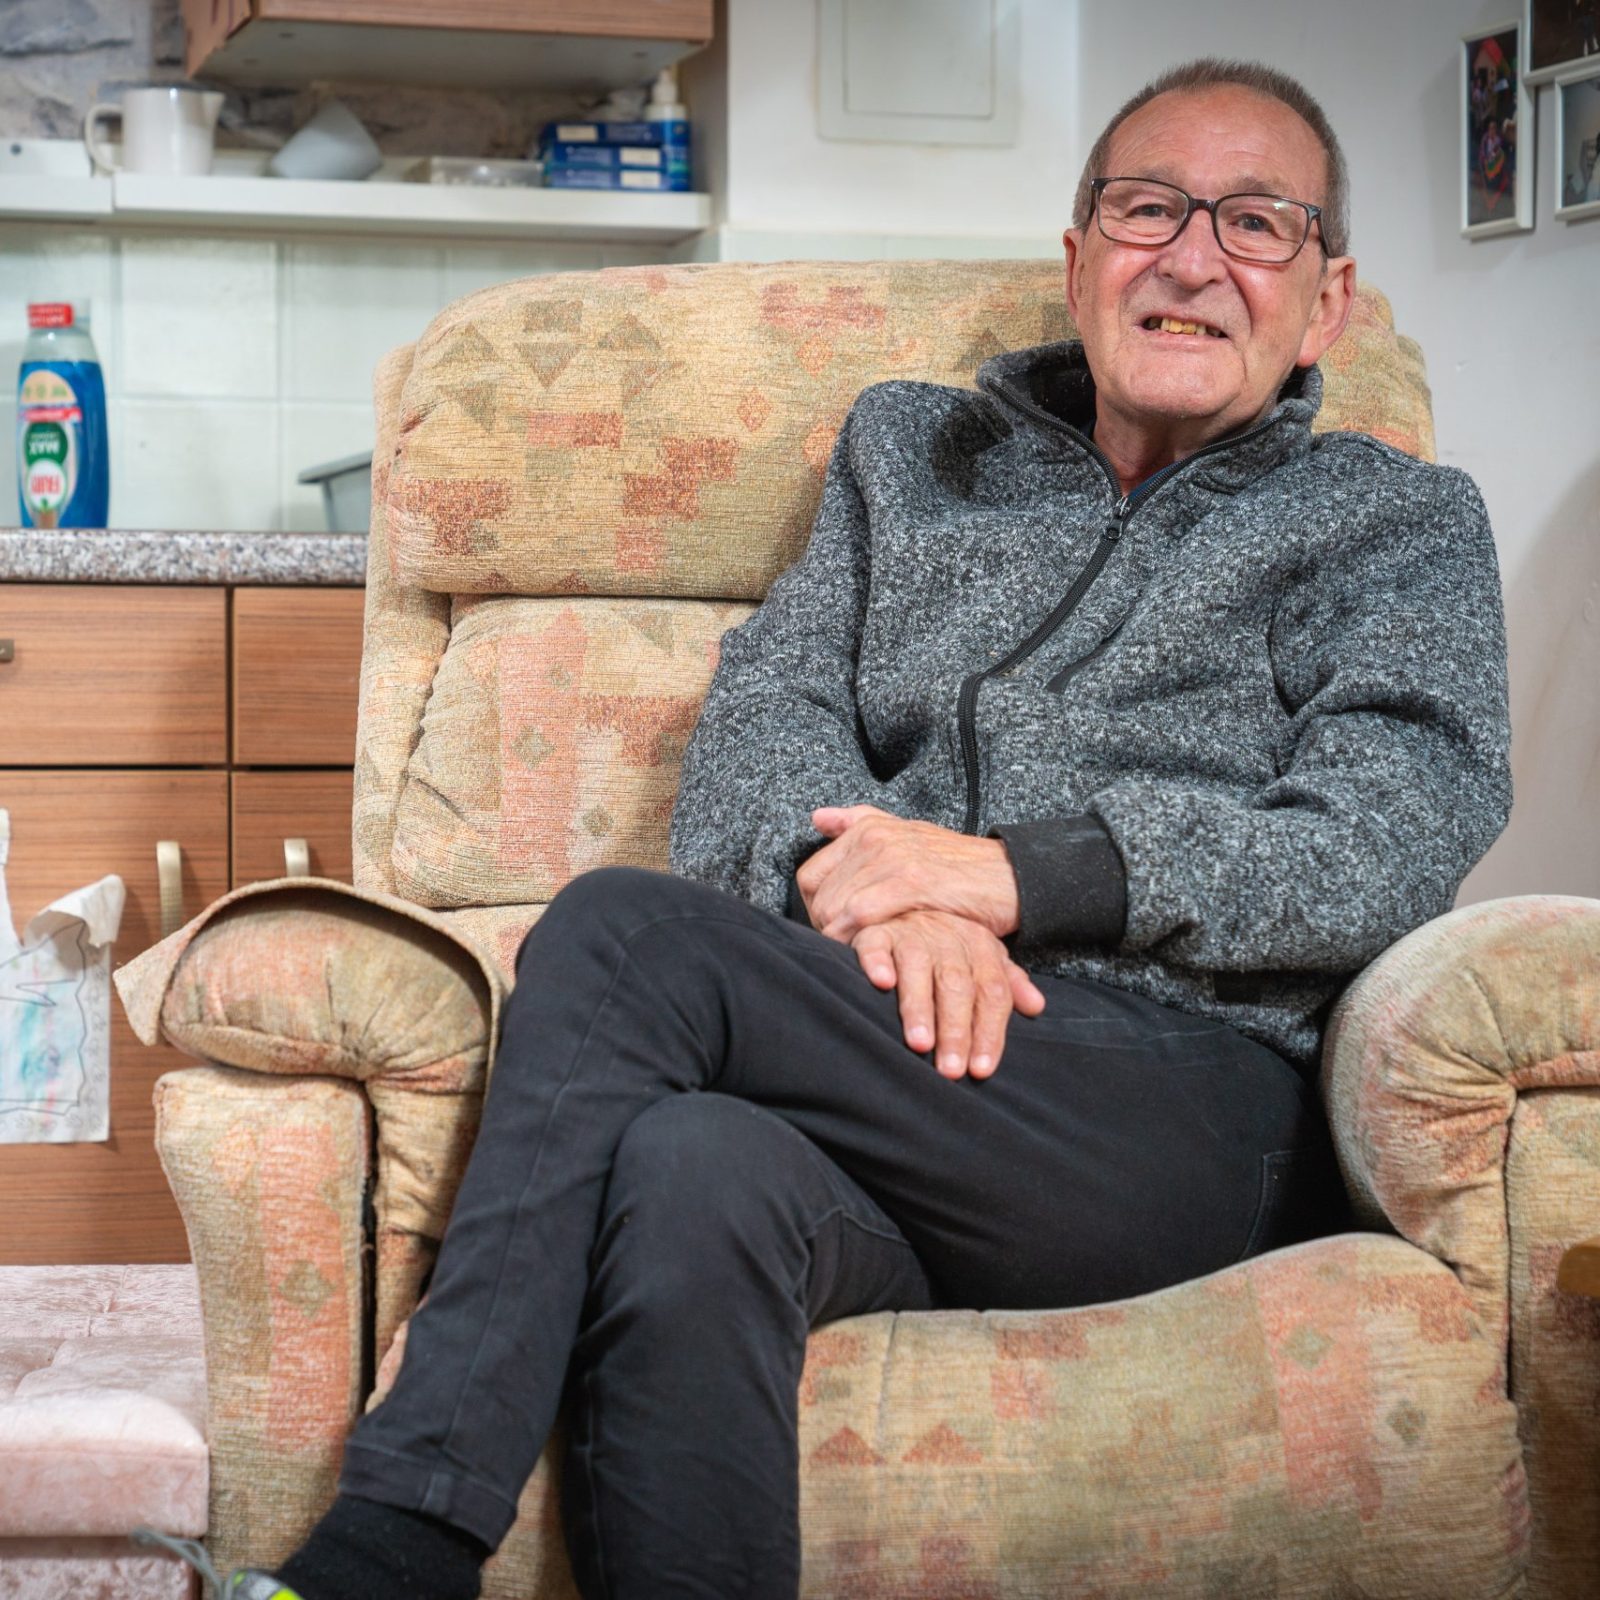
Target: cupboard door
<point>271,807</point>
<point>107,1202</point>
<point>296,666</point>
<point>112,675</point>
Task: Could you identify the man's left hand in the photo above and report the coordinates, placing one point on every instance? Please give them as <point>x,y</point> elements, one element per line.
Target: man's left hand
<point>879,866</point>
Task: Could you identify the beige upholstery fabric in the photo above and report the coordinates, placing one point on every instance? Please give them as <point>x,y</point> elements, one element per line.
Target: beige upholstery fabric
<point>1322,1420</point>
<point>406,632</point>
<point>270,1173</point>
<point>636,432</point>
<point>550,744</point>
<point>298,975</point>
<point>498,931</point>
<point>349,990</point>
<point>1463,1085</point>
<point>1426,1057</point>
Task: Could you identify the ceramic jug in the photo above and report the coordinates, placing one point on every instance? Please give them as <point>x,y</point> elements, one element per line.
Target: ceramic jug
<point>167,129</point>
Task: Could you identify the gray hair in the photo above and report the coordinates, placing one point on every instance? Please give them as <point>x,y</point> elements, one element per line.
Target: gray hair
<point>1214,73</point>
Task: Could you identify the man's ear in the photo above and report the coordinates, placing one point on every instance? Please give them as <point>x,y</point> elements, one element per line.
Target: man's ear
<point>1336,294</point>
<point>1072,243</point>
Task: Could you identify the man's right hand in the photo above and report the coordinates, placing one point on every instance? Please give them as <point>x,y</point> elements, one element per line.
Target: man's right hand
<point>958,986</point>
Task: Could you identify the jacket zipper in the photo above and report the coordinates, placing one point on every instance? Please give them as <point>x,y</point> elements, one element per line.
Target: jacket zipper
<point>967,699</point>
<point>1065,676</point>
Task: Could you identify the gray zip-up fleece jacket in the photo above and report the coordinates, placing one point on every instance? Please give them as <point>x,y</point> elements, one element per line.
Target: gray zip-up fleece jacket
<point>1240,729</point>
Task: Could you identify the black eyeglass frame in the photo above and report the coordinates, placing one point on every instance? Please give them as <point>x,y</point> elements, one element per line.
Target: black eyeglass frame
<point>1192,205</point>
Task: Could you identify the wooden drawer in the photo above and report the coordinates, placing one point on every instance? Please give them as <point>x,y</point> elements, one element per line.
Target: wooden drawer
<point>107,1202</point>
<point>296,665</point>
<point>269,807</point>
<point>112,675</point>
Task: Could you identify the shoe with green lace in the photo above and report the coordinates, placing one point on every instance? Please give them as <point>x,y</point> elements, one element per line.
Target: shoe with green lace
<point>246,1583</point>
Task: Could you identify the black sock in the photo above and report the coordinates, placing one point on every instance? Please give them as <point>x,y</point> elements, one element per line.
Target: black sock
<point>364,1550</point>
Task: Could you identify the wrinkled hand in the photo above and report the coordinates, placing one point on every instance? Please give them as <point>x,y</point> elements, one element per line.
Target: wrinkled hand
<point>958,986</point>
<point>879,866</point>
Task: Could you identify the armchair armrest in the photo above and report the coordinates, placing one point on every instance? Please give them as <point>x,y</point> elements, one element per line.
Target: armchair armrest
<point>271,1174</point>
<point>309,976</point>
<point>1426,1054</point>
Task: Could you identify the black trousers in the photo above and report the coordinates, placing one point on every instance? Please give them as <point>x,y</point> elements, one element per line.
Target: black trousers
<point>705,1135</point>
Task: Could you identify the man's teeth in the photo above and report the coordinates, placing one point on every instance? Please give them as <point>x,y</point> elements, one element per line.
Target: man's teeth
<point>1172,325</point>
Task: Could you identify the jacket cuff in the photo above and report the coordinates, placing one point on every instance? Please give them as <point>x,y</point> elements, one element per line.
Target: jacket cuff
<point>1072,887</point>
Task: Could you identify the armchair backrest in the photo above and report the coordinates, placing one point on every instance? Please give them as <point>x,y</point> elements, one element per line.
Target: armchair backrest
<point>581,480</point>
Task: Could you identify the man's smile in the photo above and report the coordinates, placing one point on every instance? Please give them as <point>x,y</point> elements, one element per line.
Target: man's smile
<point>1183,328</point>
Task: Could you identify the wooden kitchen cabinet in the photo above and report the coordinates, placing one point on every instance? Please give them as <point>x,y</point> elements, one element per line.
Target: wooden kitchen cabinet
<point>273,809</point>
<point>577,45</point>
<point>222,719</point>
<point>111,675</point>
<point>107,1201</point>
<point>296,661</point>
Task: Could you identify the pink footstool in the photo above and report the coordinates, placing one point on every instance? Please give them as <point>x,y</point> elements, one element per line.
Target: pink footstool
<point>102,1427</point>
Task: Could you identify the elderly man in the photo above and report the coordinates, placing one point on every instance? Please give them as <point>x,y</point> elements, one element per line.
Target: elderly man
<point>1109,723</point>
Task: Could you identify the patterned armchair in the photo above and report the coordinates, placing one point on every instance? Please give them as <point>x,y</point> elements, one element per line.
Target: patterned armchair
<point>580,482</point>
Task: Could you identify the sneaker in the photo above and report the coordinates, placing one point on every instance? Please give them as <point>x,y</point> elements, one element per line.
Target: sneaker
<point>246,1583</point>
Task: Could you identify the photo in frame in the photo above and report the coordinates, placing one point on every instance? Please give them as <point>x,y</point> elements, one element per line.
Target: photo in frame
<point>1578,146</point>
<point>1560,35</point>
<point>1497,123</point>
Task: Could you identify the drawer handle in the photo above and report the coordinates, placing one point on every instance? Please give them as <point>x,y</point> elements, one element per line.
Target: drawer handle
<point>169,875</point>
<point>8,651</point>
<point>296,858</point>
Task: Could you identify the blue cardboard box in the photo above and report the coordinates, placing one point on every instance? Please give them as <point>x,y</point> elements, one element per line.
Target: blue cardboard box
<point>615,133</point>
<point>634,178</point>
<point>654,157</point>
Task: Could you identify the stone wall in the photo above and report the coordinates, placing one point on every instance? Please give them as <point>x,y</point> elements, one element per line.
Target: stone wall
<point>57,57</point>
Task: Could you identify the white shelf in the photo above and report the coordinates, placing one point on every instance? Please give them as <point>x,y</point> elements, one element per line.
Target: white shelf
<point>292,204</point>
<point>55,198</point>
<point>240,200</point>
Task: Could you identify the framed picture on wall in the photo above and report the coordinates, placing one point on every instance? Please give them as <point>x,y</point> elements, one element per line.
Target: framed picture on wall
<point>1561,35</point>
<point>1578,146</point>
<point>1497,134</point>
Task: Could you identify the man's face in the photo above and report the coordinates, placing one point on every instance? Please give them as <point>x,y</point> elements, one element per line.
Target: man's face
<point>1196,387</point>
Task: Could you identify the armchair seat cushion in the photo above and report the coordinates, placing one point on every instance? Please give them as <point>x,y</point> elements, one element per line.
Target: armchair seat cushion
<point>1326,1418</point>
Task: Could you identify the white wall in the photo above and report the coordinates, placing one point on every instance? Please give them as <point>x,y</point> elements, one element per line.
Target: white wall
<point>782,189</point>
<point>1510,335</point>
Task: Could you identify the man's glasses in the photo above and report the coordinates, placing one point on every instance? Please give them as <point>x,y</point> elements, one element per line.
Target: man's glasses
<point>1249,227</point>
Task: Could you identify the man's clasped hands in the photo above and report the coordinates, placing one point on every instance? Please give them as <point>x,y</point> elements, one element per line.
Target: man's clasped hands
<point>925,909</point>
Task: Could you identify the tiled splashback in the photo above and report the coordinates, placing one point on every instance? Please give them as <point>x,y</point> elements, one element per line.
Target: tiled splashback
<point>232,364</point>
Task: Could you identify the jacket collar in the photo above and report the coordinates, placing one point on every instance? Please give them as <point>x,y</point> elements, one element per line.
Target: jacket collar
<point>1049,389</point>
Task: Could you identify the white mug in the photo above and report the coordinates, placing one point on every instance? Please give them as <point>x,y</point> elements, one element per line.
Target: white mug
<point>165,130</point>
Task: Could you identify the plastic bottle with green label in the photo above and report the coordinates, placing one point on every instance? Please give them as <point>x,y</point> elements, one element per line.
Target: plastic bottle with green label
<point>63,465</point>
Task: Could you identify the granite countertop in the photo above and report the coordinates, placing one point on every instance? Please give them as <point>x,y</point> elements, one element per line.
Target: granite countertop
<point>113,555</point>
